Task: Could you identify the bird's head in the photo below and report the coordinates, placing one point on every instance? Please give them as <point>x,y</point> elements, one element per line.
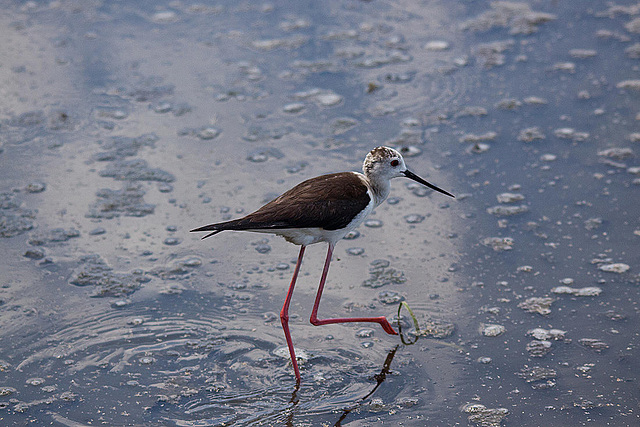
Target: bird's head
<point>384,163</point>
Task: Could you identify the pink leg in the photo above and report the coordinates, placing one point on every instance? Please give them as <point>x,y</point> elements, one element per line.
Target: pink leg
<point>284,315</point>
<point>314,313</point>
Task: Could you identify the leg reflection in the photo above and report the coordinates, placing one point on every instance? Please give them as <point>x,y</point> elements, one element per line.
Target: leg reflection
<point>380,377</point>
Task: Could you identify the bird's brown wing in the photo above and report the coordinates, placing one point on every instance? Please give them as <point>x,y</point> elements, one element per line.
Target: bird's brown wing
<point>328,201</point>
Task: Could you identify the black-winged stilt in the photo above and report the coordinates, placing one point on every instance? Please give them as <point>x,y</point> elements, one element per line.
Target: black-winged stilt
<point>325,209</point>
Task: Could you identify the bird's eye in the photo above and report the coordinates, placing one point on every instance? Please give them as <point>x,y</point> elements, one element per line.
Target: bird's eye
<point>395,162</point>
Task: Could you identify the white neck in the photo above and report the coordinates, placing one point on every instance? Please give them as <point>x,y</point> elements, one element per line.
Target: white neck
<point>380,188</point>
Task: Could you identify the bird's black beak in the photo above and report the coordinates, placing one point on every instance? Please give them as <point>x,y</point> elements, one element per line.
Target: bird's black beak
<point>416,178</point>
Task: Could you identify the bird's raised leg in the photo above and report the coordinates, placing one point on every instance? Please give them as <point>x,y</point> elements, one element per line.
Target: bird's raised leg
<point>284,315</point>
<point>314,313</point>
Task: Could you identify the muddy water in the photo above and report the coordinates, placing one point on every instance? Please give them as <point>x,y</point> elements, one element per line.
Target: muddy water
<point>124,125</point>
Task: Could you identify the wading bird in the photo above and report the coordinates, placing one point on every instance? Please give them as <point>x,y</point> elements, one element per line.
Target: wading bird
<point>325,209</point>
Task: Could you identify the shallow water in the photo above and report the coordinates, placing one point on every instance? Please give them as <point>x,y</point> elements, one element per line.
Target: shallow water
<point>123,126</point>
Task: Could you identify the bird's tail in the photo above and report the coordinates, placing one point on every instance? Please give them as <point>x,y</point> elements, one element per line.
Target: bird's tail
<point>218,227</point>
<point>214,228</point>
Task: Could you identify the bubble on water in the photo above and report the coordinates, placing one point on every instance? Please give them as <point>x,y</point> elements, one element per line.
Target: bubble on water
<point>546,334</point>
<point>165,188</point>
<point>380,274</point>
<point>173,289</point>
<point>172,241</point>
<point>55,235</point>
<point>49,388</point>
<point>583,53</point>
<point>35,187</point>
<point>161,107</point>
<point>437,45</point>
<point>540,305</point>
<point>269,316</point>
<point>365,333</point>
<point>509,197</point>
<point>409,150</point>
<point>97,231</point>
<point>136,321</point>
<point>524,269</point>
<point>414,218</point>
<point>439,329</point>
<point>617,267</point>
<point>399,77</point>
<point>342,125</point>
<point>618,153</point>
<point>490,55</point>
<point>472,137</point>
<point>483,416</point>
<point>302,355</point>
<point>634,136</point>
<point>568,67</point>
<point>112,113</point>
<point>295,24</point>
<point>165,16</point>
<point>373,223</point>
<point>129,201</point>
<point>263,154</point>
<point>294,108</point>
<point>353,234</point>
<point>390,297</point>
<point>485,360</point>
<point>328,99</point>
<point>491,330</point>
<point>635,170</point>
<point>376,405</point>
<point>633,26</point>
<point>135,170</point>
<point>207,133</point>
<point>120,303</point>
<point>594,344</point>
<point>355,251</point>
<point>35,381</point>
<point>192,262</point>
<point>501,210</point>
<point>633,51</point>
<point>570,133</point>
<point>417,190</point>
<point>146,360</point>
<point>290,43</point>
<point>535,100</point>
<point>263,248</point>
<point>536,373</point>
<point>296,167</point>
<point>472,111</point>
<point>118,147</point>
<point>518,17</point>
<point>407,137</point>
<point>393,57</point>
<point>538,348</point>
<point>531,134</point>
<point>34,254</point>
<point>479,148</point>
<point>499,244</point>
<point>394,200</point>
<point>508,104</point>
<point>591,291</point>
<point>94,271</point>
<point>282,266</point>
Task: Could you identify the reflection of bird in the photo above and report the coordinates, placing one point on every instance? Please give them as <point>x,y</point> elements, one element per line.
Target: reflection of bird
<point>325,209</point>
